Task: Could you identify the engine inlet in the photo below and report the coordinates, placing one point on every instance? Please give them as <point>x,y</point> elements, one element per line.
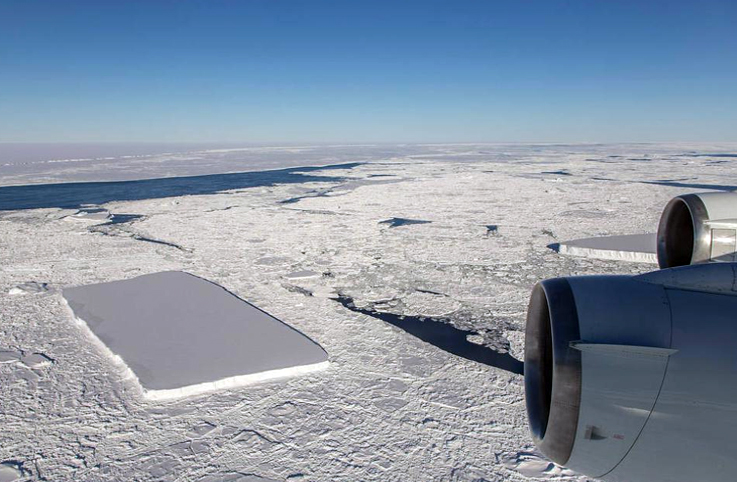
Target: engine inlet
<point>552,368</point>
<point>682,236</point>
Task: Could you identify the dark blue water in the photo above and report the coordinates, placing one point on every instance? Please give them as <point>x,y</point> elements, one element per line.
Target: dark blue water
<point>492,229</point>
<point>76,194</point>
<point>395,222</point>
<point>440,333</point>
<point>721,154</point>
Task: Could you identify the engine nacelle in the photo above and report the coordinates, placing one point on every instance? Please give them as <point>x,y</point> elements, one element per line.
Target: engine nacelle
<point>698,227</point>
<point>633,378</point>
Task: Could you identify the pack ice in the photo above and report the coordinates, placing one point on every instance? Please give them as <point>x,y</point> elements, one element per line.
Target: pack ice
<point>178,334</point>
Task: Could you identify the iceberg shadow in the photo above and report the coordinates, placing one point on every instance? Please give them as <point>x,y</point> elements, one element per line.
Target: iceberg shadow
<point>442,334</point>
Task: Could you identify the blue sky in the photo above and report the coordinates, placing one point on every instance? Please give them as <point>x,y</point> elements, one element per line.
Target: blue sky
<point>368,71</point>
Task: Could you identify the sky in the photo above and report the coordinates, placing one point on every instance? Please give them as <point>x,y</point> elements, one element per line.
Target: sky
<point>281,71</point>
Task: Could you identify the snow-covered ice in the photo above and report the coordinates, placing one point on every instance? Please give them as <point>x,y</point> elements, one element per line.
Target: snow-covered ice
<point>180,335</point>
<point>11,471</point>
<point>69,162</point>
<point>28,287</point>
<point>391,407</point>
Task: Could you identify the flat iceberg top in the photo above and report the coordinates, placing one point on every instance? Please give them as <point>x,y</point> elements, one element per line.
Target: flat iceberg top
<point>175,330</point>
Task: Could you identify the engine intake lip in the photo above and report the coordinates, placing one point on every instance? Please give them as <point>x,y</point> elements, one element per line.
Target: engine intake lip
<point>553,369</point>
<point>683,237</point>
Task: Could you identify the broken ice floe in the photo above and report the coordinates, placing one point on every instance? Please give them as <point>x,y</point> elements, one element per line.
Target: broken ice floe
<point>531,464</point>
<point>179,335</point>
<point>10,356</point>
<point>11,470</point>
<point>304,274</point>
<point>639,248</point>
<point>29,287</point>
<point>33,360</point>
<point>90,214</point>
<point>36,360</point>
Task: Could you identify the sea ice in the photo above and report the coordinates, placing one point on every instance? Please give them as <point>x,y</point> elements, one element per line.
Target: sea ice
<point>393,406</point>
<point>91,214</point>
<point>29,287</point>
<point>10,471</point>
<point>8,356</point>
<point>181,335</point>
<point>302,274</point>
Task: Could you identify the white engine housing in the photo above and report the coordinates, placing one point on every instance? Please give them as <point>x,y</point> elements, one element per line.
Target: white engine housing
<point>635,377</point>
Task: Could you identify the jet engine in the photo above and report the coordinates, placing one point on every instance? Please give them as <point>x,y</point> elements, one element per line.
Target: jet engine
<point>698,227</point>
<point>634,378</point>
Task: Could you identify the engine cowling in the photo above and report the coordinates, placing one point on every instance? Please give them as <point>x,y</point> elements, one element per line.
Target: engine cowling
<point>695,228</point>
<point>635,377</point>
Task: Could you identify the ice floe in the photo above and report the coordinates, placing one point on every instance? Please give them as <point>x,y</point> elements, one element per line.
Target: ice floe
<point>639,248</point>
<point>178,335</point>
<point>29,287</point>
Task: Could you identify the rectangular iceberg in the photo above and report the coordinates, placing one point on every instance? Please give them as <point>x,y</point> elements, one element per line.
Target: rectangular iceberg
<point>638,248</point>
<point>180,335</point>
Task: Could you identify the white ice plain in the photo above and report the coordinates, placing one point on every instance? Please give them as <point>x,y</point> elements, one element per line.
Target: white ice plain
<point>183,335</point>
<point>391,407</point>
